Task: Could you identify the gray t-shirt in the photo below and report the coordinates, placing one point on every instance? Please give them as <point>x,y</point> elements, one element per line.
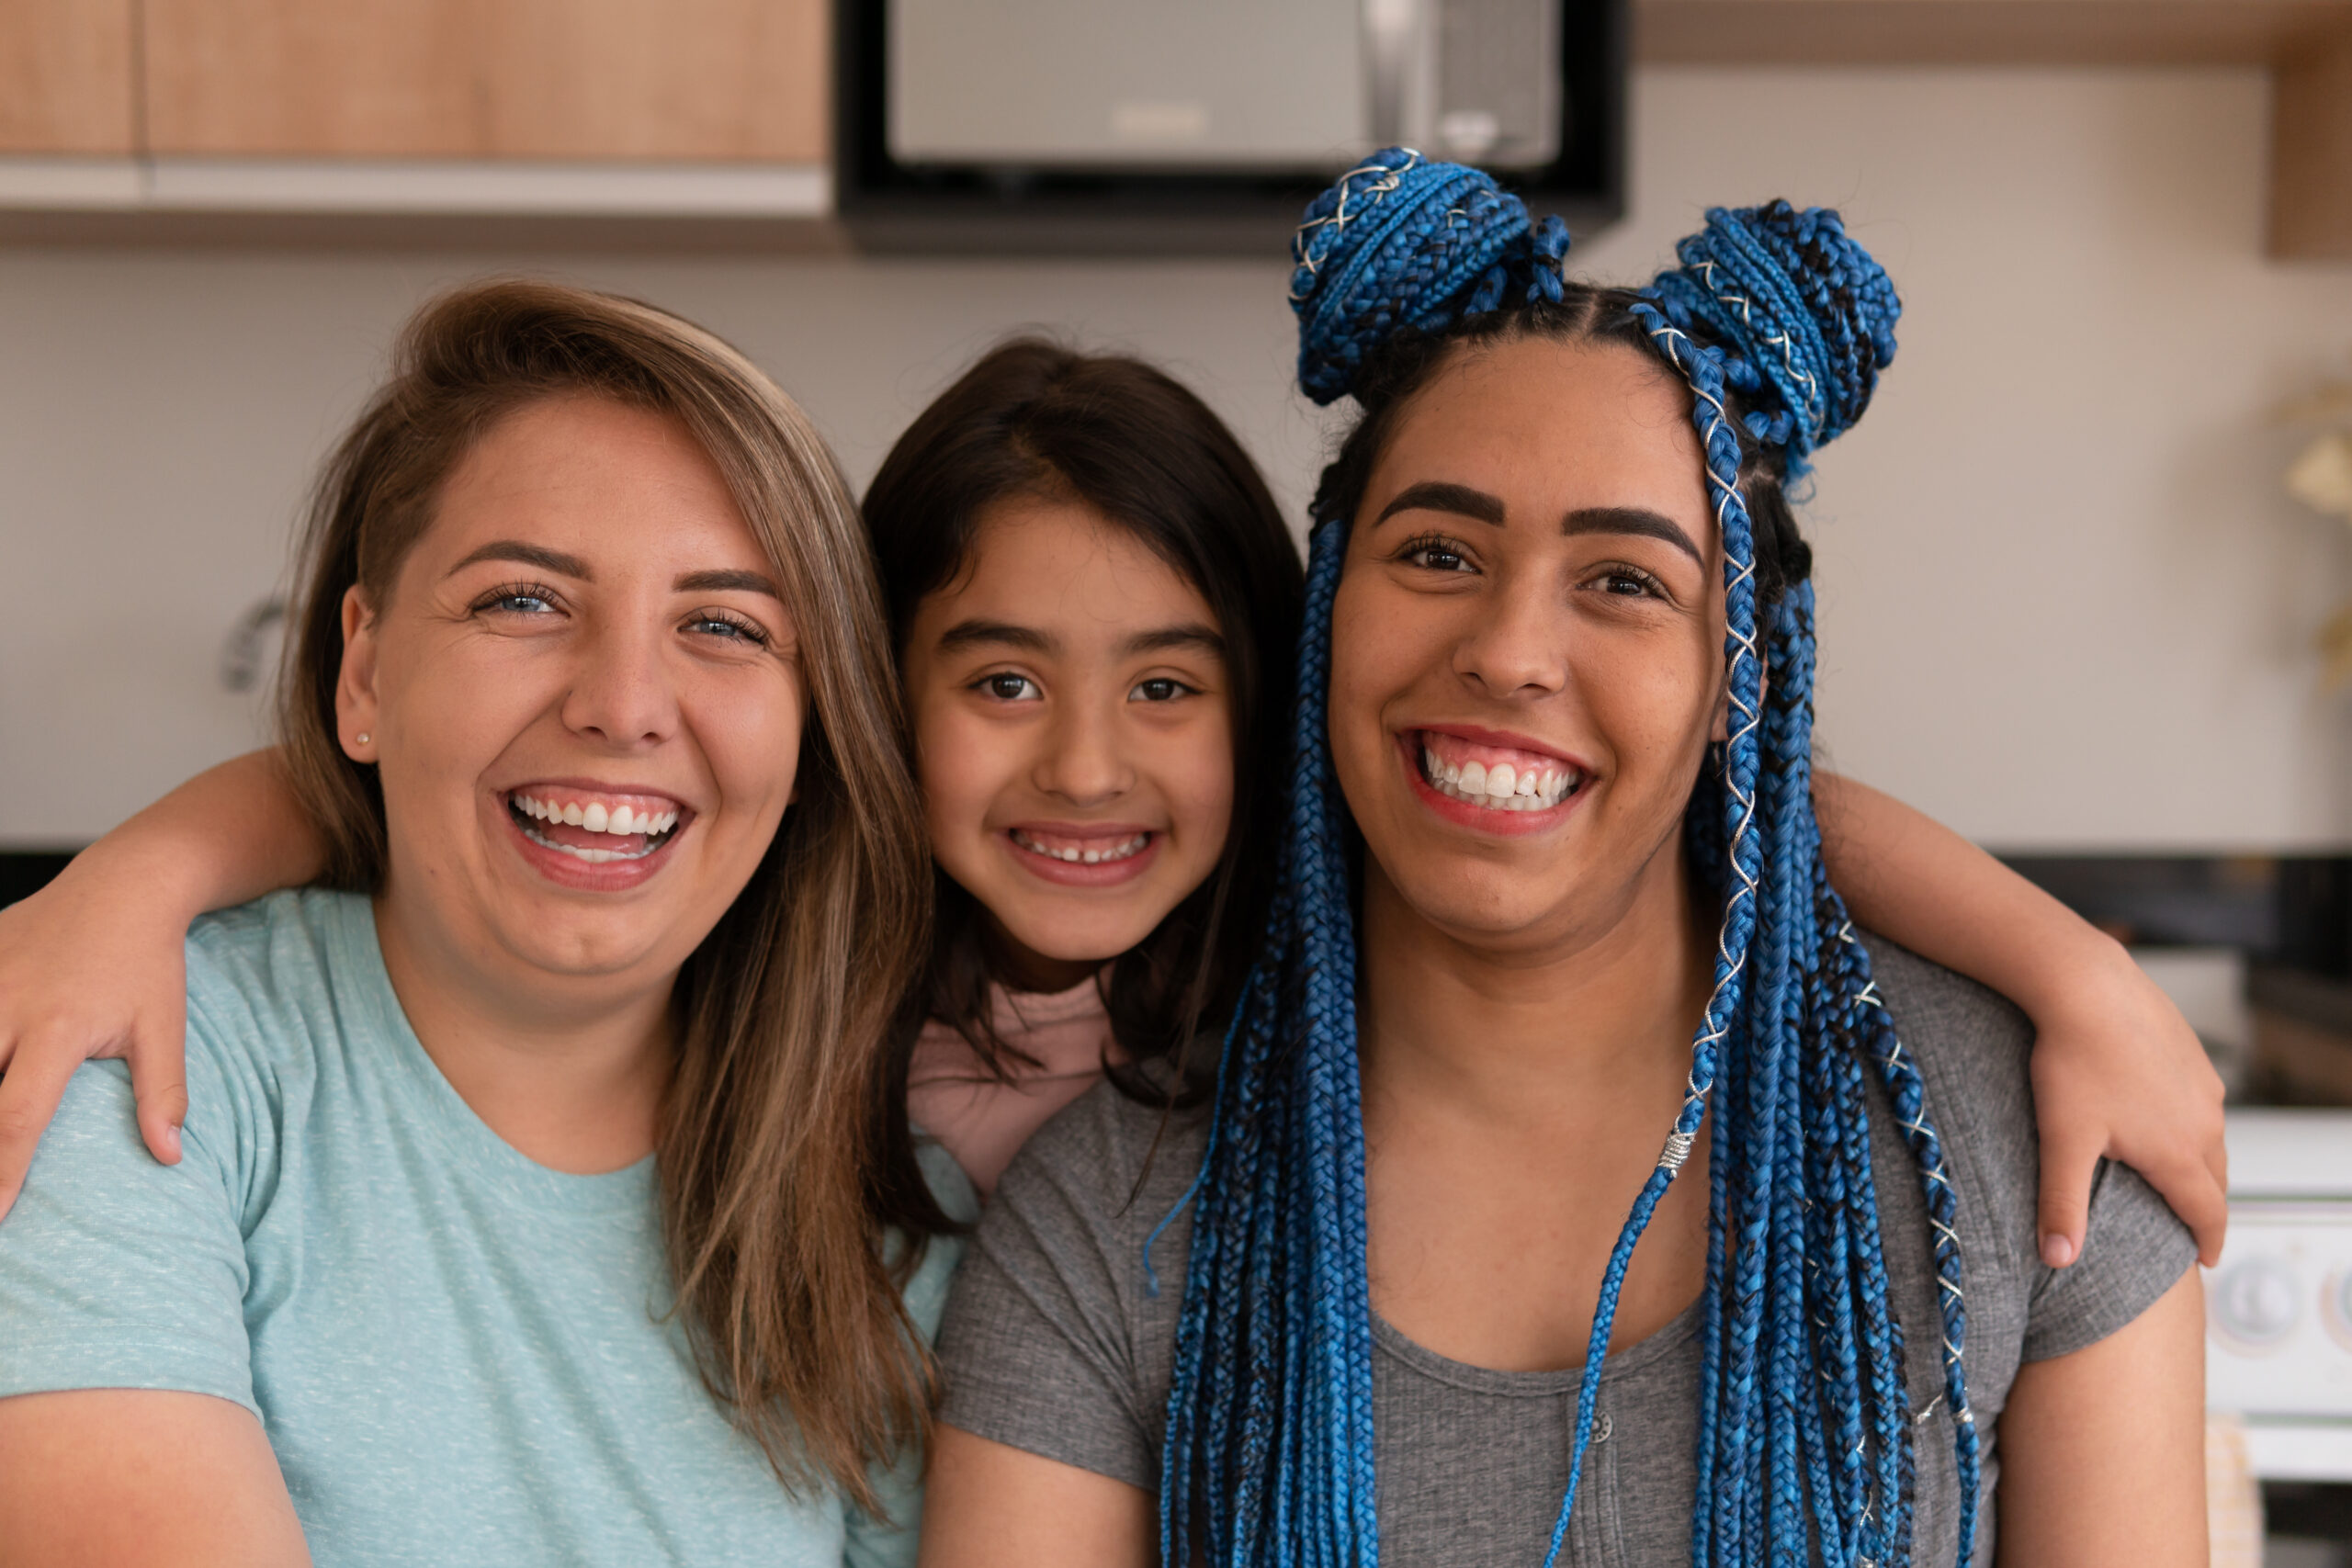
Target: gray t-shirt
<point>1053,1343</point>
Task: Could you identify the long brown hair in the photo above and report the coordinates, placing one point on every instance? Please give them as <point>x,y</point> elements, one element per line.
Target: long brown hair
<point>773,1153</point>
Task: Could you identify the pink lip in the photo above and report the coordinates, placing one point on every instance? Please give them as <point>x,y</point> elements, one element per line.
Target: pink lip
<point>569,871</point>
<point>1078,874</point>
<point>1513,739</point>
<point>1479,819</point>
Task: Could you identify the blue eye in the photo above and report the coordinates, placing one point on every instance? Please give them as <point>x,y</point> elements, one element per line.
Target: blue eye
<point>727,628</point>
<point>517,599</point>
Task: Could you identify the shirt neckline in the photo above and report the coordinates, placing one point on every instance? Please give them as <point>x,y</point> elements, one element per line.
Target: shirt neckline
<point>426,1096</point>
<point>1629,1361</point>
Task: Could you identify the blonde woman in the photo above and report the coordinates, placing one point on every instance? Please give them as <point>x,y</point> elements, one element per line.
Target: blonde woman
<point>537,1201</point>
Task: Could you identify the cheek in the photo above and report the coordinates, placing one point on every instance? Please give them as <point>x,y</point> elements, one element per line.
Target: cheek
<point>748,724</point>
<point>1199,783</point>
<point>450,706</point>
<point>963,764</point>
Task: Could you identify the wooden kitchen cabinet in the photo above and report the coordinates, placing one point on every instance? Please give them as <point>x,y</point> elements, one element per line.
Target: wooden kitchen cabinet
<point>669,80</point>
<point>65,76</point>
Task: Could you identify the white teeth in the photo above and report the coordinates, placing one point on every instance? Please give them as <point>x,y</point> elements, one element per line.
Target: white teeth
<point>1502,787</point>
<point>619,821</point>
<point>1118,852</point>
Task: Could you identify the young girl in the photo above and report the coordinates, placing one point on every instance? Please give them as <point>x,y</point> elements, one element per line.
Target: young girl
<point>1574,1189</point>
<point>1093,600</point>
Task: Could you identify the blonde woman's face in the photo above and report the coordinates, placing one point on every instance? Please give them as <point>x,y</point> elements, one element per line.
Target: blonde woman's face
<point>1073,732</point>
<point>583,697</point>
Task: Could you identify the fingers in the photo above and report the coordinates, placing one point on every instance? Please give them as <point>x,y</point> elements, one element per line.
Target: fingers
<point>2069,1165</point>
<point>159,1081</point>
<point>30,1092</point>
<point>2200,1194</point>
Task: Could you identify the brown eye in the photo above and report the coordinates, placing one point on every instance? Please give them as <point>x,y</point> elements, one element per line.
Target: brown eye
<point>1008,687</point>
<point>1159,689</point>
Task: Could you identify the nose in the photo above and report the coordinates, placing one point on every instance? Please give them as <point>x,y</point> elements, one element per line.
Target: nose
<point>1082,762</point>
<point>622,694</point>
<point>1517,645</point>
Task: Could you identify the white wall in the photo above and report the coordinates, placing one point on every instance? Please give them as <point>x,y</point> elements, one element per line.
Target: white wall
<point>2065,602</point>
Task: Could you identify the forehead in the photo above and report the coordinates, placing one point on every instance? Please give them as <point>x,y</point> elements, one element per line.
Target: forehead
<point>1550,427</point>
<point>1037,560</point>
<point>583,473</point>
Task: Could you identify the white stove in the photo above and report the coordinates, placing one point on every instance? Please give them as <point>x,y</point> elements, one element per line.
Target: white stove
<point>2278,1308</point>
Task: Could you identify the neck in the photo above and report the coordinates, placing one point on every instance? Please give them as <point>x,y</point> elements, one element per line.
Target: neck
<point>570,1073</point>
<point>1598,1022</point>
<point>1019,967</point>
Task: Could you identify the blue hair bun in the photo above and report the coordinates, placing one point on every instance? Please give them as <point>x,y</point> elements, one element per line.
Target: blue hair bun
<point>1804,316</point>
<point>1404,242</point>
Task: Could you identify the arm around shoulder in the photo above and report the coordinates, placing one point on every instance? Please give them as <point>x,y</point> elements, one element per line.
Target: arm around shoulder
<point>92,965</point>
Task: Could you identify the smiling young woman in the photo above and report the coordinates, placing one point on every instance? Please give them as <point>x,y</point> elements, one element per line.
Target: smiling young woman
<point>1580,1186</point>
<point>535,1202</point>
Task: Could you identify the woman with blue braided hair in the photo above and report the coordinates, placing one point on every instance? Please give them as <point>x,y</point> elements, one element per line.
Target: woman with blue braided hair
<point>1580,1186</point>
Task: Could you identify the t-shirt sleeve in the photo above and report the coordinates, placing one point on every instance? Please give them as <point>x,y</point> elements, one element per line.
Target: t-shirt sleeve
<point>2136,1250</point>
<point>120,1272</point>
<point>1037,1348</point>
<point>887,1538</point>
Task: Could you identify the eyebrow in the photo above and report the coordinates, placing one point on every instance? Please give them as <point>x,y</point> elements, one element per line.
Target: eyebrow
<point>1435,495</point>
<point>1638,520</point>
<point>735,582</point>
<point>1465,501</point>
<point>1190,636</point>
<point>528,555</point>
<point>1005,634</point>
<point>970,632</point>
<point>563,565</point>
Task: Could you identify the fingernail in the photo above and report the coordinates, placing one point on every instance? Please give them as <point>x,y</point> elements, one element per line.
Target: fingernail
<point>172,1139</point>
<point>2056,1250</point>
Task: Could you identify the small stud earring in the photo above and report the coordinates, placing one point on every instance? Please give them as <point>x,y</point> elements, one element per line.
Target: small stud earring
<point>362,738</point>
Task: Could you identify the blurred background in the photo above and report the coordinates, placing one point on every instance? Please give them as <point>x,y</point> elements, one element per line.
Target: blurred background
<point>2071,603</point>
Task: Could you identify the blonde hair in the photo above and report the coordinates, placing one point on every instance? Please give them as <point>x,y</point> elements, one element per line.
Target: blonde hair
<point>775,1134</point>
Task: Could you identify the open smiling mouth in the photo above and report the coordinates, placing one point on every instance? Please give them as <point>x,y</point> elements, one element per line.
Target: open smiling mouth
<point>1497,778</point>
<point>1076,851</point>
<point>572,828</point>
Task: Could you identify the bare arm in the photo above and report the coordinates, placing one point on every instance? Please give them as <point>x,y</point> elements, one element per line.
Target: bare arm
<point>2117,1071</point>
<point>2103,1452</point>
<point>92,965</point>
<point>988,1505</point>
<point>126,1478</point>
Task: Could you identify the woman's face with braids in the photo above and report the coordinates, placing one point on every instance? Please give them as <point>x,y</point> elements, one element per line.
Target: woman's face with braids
<point>1527,645</point>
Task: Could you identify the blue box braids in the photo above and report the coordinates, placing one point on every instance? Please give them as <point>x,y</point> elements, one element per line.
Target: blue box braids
<point>1778,323</point>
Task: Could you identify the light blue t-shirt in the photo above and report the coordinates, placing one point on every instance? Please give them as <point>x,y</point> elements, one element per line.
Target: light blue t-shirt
<point>460,1355</point>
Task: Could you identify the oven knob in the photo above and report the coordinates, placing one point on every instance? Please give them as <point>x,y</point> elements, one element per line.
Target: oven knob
<point>2257,1301</point>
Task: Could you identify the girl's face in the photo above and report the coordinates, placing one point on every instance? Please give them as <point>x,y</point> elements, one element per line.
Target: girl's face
<point>1073,733</point>
<point>1527,643</point>
<point>582,696</point>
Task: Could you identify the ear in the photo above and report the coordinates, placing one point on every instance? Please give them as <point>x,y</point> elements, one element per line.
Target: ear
<point>356,712</point>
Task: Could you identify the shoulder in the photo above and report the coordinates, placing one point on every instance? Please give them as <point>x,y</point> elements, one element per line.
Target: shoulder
<point>264,977</point>
<point>1107,1156</point>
